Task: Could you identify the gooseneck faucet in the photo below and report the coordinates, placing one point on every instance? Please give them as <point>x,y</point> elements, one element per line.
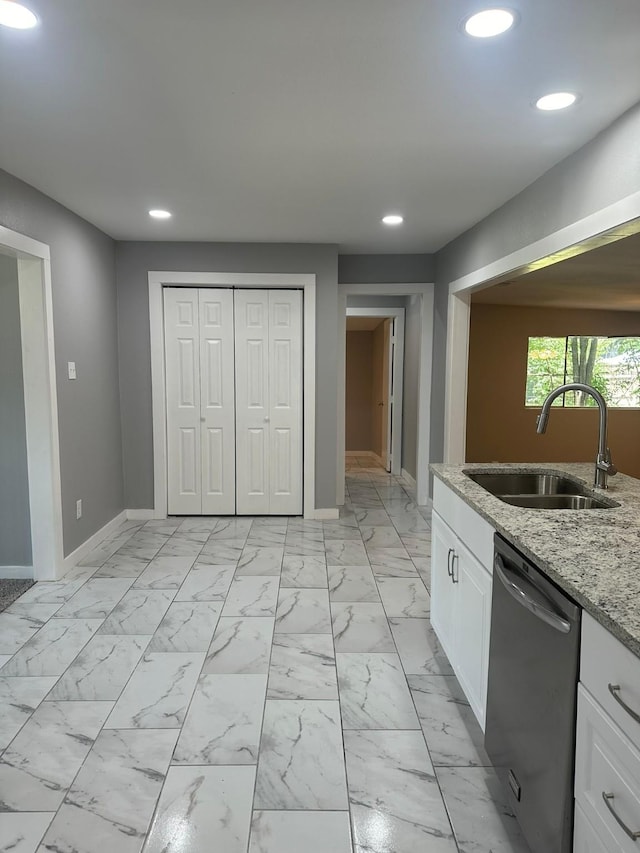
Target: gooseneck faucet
<point>604,466</point>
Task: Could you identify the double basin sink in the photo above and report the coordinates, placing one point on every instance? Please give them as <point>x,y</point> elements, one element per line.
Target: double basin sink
<point>539,491</point>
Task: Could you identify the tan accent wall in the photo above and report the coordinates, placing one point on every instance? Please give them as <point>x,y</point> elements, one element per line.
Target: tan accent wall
<point>359,391</point>
<point>500,428</point>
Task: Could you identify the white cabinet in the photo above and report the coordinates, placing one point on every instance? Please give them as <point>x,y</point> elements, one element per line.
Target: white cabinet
<point>585,838</point>
<point>461,597</point>
<point>443,544</point>
<point>473,627</point>
<point>607,783</point>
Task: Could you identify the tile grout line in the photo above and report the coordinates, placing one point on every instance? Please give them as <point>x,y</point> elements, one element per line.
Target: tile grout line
<point>264,711</point>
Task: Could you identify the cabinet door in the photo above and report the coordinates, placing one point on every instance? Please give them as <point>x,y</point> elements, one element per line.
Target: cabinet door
<point>473,618</point>
<point>585,839</point>
<point>443,591</point>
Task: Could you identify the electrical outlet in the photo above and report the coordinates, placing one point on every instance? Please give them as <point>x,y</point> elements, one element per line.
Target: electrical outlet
<point>71,366</point>
<point>78,509</point>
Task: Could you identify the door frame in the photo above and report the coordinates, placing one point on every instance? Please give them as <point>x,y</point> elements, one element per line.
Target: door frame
<point>41,405</point>
<point>616,221</point>
<point>426,291</point>
<point>272,281</point>
<point>396,314</point>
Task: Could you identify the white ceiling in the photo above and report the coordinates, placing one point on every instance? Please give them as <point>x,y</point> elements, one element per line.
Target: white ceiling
<point>606,278</point>
<point>303,120</point>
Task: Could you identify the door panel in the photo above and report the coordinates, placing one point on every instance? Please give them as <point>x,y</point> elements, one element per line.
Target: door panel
<point>256,463</point>
<point>183,400</point>
<point>252,394</point>
<point>188,461</point>
<point>285,417</point>
<point>217,396</point>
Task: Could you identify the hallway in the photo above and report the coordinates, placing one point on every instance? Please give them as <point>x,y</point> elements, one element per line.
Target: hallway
<point>266,684</point>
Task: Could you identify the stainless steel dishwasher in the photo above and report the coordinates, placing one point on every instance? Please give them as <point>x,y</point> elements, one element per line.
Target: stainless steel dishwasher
<point>531,698</point>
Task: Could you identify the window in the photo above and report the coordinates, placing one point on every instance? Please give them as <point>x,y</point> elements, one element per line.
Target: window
<point>612,365</point>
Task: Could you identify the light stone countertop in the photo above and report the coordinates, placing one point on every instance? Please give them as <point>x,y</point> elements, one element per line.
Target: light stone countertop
<point>592,554</point>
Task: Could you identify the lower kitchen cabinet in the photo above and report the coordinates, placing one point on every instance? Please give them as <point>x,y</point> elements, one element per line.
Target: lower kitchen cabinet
<point>461,611</point>
<point>607,781</point>
<point>585,838</point>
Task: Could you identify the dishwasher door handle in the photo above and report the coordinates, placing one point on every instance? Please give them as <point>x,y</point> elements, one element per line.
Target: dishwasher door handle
<point>546,614</point>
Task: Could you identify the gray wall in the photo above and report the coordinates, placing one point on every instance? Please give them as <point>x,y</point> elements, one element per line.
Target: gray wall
<point>602,172</point>
<point>15,522</point>
<point>85,320</point>
<point>383,269</point>
<point>134,260</point>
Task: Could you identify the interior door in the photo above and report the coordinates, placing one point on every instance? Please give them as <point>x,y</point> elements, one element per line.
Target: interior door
<point>182,366</point>
<point>387,394</point>
<point>252,401</point>
<point>268,402</point>
<point>199,365</point>
<point>285,402</point>
<point>217,399</point>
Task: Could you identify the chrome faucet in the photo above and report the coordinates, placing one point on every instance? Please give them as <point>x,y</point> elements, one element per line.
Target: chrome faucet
<point>604,466</point>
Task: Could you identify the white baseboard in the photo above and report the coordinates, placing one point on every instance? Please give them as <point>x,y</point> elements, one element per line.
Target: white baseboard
<point>328,514</point>
<point>140,514</point>
<point>406,476</point>
<point>16,572</point>
<point>93,541</point>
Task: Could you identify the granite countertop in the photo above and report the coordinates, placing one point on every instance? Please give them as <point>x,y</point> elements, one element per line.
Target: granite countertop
<point>592,554</point>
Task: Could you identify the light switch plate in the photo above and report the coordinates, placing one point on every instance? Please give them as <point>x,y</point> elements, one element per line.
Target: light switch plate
<point>72,369</point>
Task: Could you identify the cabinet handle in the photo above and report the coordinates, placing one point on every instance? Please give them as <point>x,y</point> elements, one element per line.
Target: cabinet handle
<point>614,689</point>
<point>632,835</point>
<point>453,562</point>
<point>449,569</point>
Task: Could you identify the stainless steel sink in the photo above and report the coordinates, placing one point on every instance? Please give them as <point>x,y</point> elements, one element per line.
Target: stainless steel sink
<point>556,501</point>
<point>522,483</point>
<point>539,491</point>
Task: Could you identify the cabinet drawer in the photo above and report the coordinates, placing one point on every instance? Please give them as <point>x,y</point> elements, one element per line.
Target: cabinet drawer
<point>585,838</point>
<point>471,528</point>
<point>606,762</point>
<point>604,661</point>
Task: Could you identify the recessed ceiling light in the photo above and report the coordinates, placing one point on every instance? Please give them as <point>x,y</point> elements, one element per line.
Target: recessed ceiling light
<point>17,16</point>
<point>489,22</point>
<point>160,214</point>
<point>556,101</point>
<point>393,219</point>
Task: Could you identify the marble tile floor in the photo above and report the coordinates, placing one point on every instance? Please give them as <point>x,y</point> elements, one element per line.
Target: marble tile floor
<point>264,685</point>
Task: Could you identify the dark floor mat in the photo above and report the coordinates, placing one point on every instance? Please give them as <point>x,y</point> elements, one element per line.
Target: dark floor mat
<point>12,589</point>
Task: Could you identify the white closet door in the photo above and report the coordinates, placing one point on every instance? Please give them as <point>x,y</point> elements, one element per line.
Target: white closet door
<point>252,401</point>
<point>285,402</point>
<point>218,475</point>
<point>181,335</point>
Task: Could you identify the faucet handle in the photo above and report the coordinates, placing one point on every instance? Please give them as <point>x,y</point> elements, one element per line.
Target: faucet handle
<point>605,464</point>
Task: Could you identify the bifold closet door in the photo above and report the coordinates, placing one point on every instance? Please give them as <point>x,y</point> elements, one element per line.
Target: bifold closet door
<point>199,364</point>
<point>268,338</point>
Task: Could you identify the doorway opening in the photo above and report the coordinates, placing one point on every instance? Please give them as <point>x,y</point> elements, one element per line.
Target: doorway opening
<point>572,246</point>
<point>304,282</point>
<point>30,502</point>
<point>233,361</point>
<point>374,380</point>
